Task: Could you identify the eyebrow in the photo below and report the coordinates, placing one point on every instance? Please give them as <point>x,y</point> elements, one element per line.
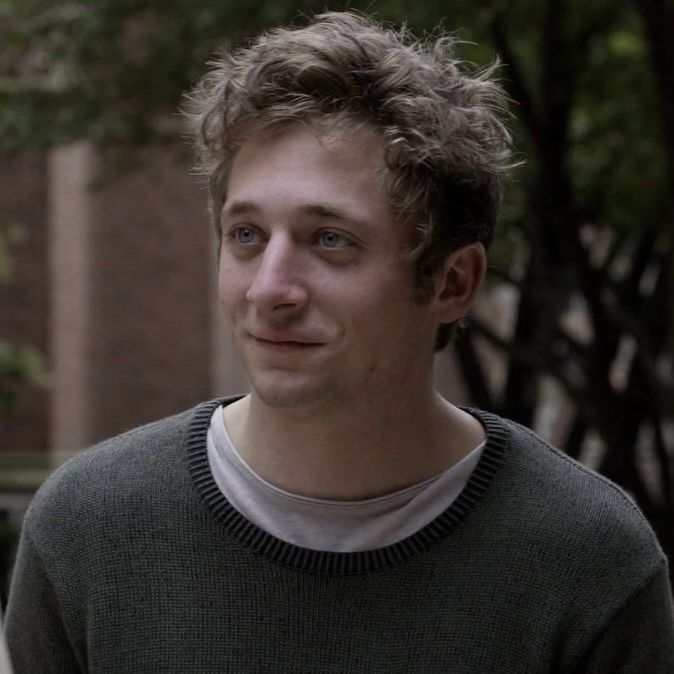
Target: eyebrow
<point>319,210</point>
<point>239,208</point>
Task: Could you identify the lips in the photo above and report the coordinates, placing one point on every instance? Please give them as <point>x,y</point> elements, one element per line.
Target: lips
<point>284,342</point>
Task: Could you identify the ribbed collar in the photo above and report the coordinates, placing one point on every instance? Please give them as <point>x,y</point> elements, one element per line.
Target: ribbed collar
<point>339,563</point>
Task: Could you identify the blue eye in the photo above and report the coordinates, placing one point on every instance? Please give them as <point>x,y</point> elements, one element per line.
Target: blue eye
<point>244,235</point>
<point>331,239</point>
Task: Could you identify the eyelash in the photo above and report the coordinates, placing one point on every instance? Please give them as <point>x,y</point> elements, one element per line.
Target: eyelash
<point>232,234</point>
<point>346,242</point>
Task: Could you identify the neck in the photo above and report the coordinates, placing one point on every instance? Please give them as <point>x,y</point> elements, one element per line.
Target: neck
<point>347,456</point>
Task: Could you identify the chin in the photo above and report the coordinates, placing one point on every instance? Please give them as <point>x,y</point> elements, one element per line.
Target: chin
<point>287,391</point>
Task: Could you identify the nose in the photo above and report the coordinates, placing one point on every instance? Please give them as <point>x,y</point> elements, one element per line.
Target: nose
<point>277,289</point>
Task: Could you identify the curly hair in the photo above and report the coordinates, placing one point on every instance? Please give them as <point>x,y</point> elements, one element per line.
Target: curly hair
<point>446,146</point>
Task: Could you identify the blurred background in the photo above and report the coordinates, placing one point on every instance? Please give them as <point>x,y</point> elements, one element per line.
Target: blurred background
<point>108,311</point>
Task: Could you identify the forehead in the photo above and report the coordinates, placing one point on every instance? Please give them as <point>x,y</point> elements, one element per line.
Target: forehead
<point>282,168</point>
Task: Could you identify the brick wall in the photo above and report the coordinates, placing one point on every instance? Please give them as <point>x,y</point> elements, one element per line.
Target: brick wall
<point>149,330</point>
<point>23,300</point>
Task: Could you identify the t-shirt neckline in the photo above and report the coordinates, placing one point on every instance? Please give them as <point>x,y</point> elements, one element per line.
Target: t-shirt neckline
<point>338,563</point>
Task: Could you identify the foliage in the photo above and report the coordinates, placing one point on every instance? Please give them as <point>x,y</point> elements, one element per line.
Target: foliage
<point>10,233</point>
<point>18,363</point>
<point>116,70</point>
<point>112,70</point>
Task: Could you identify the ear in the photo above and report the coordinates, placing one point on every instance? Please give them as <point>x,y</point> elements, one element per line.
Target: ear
<point>457,282</point>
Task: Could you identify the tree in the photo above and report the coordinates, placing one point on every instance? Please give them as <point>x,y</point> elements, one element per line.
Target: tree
<point>596,228</point>
<point>112,70</point>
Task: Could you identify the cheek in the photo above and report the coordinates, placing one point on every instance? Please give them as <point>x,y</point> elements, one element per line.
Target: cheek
<point>379,311</point>
<point>386,297</point>
<point>232,285</point>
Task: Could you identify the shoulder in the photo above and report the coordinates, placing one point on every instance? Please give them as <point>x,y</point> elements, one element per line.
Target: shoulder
<point>110,475</point>
<point>575,519</point>
<point>562,539</point>
<point>576,540</point>
<point>568,486</point>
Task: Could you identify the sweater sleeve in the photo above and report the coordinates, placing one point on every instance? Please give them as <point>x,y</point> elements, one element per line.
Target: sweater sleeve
<point>640,637</point>
<point>36,636</point>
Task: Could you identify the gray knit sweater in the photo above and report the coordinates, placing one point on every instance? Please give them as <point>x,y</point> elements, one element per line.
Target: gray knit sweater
<point>131,560</point>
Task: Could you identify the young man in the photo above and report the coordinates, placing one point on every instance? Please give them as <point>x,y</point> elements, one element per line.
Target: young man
<point>343,517</point>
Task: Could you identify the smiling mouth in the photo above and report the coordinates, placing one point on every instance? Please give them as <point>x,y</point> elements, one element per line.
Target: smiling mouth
<point>286,345</point>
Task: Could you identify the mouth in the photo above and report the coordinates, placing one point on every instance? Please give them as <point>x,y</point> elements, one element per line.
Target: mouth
<point>285,345</point>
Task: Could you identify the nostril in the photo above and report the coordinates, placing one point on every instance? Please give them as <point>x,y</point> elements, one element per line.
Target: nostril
<point>274,294</point>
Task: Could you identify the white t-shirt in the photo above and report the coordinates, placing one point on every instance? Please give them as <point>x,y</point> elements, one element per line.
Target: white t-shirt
<point>336,526</point>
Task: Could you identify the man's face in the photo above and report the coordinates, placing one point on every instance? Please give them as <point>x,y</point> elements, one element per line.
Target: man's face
<point>316,294</point>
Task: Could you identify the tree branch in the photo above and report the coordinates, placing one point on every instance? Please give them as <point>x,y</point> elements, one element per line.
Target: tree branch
<point>574,441</point>
<point>665,461</point>
<point>517,87</point>
<point>542,362</point>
